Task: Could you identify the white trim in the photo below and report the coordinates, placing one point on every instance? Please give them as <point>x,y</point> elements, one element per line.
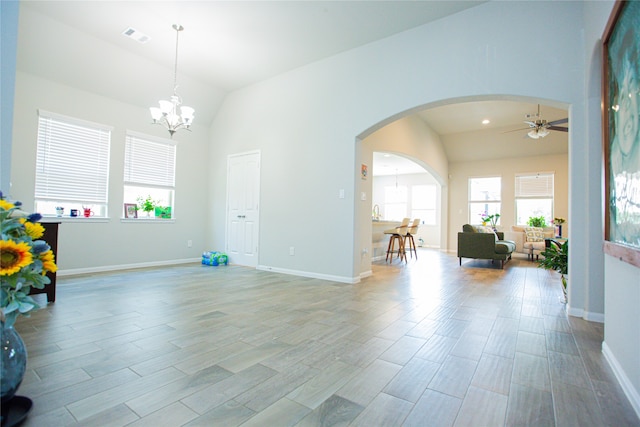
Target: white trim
<point>366,274</point>
<point>102,269</point>
<point>632,394</point>
<point>151,138</point>
<point>329,277</point>
<point>586,315</point>
<point>73,120</point>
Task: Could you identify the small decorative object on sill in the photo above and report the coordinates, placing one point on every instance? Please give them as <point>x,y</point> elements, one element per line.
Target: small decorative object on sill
<point>24,262</point>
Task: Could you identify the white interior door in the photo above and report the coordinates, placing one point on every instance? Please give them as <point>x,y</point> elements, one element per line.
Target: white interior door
<point>243,203</point>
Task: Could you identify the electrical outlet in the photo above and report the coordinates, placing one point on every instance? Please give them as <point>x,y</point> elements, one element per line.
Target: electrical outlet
<point>189,243</point>
<point>292,250</point>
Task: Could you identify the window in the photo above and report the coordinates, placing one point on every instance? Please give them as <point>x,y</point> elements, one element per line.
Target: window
<point>424,203</point>
<point>395,202</point>
<point>72,165</point>
<point>484,197</point>
<point>534,197</point>
<point>149,174</point>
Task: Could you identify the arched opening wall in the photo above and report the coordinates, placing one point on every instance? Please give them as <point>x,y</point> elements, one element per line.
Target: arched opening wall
<point>308,124</point>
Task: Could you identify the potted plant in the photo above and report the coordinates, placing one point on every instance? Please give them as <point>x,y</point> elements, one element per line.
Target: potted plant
<point>491,219</point>
<point>537,221</point>
<point>25,260</point>
<point>148,205</point>
<point>556,258</point>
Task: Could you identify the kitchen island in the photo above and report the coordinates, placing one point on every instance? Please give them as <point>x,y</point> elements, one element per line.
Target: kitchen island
<point>380,241</point>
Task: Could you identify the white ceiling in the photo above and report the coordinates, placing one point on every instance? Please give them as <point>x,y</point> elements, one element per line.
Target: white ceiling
<point>227,45</point>
<point>231,44</point>
<point>466,138</point>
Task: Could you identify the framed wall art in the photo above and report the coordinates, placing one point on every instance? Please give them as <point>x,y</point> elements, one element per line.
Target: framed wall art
<point>621,131</point>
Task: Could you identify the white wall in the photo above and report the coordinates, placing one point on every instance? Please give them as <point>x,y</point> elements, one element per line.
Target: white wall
<point>507,169</point>
<point>306,121</point>
<point>99,245</point>
<point>621,290</point>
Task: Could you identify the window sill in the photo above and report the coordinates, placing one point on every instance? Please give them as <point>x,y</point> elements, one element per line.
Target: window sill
<point>65,219</point>
<point>149,220</point>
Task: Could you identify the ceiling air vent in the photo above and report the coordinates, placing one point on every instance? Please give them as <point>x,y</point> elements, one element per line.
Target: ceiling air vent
<point>136,35</point>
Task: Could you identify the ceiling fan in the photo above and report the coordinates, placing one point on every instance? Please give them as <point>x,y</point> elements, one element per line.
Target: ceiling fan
<point>539,127</point>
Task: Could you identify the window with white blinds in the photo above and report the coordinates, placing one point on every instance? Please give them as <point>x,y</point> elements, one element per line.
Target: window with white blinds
<point>149,162</point>
<point>72,164</point>
<point>149,174</point>
<point>534,196</point>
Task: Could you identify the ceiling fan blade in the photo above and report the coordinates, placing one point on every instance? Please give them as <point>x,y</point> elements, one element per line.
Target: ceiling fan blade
<point>559,122</point>
<point>560,128</point>
<point>515,130</point>
<point>531,124</point>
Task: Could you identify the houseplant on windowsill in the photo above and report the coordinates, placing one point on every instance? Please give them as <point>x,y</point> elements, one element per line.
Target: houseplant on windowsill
<point>556,257</point>
<point>148,205</point>
<point>537,221</point>
<point>24,262</point>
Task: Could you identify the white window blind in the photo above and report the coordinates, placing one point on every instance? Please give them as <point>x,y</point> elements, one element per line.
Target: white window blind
<point>149,162</point>
<point>533,186</point>
<point>72,160</point>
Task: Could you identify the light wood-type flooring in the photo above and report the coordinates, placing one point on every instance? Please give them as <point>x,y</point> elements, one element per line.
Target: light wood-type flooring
<point>428,343</point>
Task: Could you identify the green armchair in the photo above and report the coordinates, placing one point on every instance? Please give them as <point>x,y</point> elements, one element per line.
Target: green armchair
<point>483,243</point>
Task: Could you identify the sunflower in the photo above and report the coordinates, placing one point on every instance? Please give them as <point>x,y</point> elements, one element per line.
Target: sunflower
<point>48,263</point>
<point>33,229</point>
<point>14,256</point>
<point>6,205</point>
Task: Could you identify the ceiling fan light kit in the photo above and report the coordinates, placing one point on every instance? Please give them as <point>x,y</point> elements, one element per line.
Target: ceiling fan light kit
<point>539,127</point>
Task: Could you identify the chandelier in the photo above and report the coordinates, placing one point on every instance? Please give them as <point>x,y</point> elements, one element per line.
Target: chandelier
<point>172,114</point>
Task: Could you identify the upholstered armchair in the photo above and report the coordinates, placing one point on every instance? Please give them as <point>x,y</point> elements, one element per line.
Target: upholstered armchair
<point>484,243</point>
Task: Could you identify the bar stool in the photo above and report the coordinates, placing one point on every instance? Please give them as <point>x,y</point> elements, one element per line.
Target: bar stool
<point>413,230</point>
<point>397,234</point>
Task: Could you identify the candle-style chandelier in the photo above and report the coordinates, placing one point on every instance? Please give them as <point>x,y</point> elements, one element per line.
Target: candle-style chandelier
<point>172,114</point>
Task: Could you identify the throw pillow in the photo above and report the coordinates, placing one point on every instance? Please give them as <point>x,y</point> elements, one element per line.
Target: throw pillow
<point>487,230</point>
<point>534,234</point>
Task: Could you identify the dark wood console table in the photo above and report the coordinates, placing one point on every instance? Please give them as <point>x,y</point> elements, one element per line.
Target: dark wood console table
<point>51,237</point>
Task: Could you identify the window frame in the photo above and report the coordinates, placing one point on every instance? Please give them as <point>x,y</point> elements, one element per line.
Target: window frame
<point>142,152</point>
<point>518,196</point>
<point>471,201</point>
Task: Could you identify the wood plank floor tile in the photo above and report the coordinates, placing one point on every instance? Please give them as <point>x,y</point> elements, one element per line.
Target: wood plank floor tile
<point>412,380</point>
<point>335,411</point>
<point>283,413</point>
<point>365,385</point>
<point>454,376</point>
<point>531,371</point>
<point>427,343</point>
<point>493,373</point>
<point>529,406</point>
<point>435,410</point>
<point>385,410</point>
<point>482,407</point>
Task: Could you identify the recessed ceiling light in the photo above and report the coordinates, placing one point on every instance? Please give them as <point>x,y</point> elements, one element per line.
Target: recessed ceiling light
<point>486,121</point>
<point>136,35</point>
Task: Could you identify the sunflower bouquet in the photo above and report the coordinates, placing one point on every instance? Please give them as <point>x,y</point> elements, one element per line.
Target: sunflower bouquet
<point>24,260</point>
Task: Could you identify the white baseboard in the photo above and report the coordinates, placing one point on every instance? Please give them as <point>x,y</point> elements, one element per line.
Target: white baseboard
<point>586,315</point>
<point>365,274</point>
<point>105,268</point>
<point>632,394</point>
<point>341,279</point>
